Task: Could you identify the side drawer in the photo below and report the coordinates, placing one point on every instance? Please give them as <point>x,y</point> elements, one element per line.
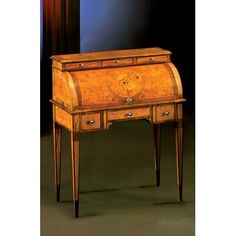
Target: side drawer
<point>164,112</point>
<point>81,65</point>
<point>154,59</point>
<point>128,114</point>
<point>90,121</point>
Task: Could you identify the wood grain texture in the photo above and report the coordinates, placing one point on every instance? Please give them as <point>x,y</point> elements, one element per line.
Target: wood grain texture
<point>75,89</point>
<point>63,90</point>
<point>57,134</point>
<point>91,56</point>
<point>157,149</point>
<point>75,170</point>
<point>117,62</point>
<point>104,108</point>
<point>179,151</point>
<point>152,59</point>
<point>143,84</point>
<point>57,131</point>
<point>84,65</point>
<point>63,118</point>
<point>177,78</point>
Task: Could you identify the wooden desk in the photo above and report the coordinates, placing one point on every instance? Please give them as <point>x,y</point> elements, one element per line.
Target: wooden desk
<point>92,90</point>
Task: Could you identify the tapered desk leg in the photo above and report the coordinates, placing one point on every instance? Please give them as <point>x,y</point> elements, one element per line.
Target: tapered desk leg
<point>57,131</point>
<point>75,170</point>
<point>157,142</point>
<point>179,152</point>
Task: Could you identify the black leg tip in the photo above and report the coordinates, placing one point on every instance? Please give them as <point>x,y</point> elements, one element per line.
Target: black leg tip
<point>180,193</point>
<point>58,193</point>
<point>76,209</point>
<point>158,178</point>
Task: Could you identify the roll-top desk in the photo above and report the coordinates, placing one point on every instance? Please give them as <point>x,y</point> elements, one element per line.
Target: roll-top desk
<point>93,90</point>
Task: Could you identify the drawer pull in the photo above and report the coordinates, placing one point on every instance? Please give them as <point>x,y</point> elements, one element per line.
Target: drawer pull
<point>129,114</point>
<point>117,61</point>
<point>91,122</point>
<point>81,65</point>
<point>166,113</point>
<point>151,59</point>
<point>129,100</point>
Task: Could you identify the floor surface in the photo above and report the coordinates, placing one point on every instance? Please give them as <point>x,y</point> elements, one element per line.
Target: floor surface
<point>118,195</point>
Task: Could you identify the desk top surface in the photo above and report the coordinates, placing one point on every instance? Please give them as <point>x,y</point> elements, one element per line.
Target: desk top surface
<point>91,56</point>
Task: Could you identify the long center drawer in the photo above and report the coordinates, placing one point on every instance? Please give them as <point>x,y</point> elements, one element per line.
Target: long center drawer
<point>126,114</point>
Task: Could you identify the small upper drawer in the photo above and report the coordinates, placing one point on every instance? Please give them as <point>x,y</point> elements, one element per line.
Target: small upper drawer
<point>81,65</point>
<point>154,59</point>
<point>164,112</point>
<point>90,121</point>
<point>128,114</point>
<point>117,62</point>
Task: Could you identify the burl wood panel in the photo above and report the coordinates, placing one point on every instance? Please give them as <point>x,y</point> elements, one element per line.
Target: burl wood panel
<point>128,114</point>
<point>141,83</point>
<point>64,90</point>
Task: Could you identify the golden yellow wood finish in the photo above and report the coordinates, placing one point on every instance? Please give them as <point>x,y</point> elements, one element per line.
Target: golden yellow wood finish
<point>117,62</point>
<point>63,118</point>
<point>151,59</point>
<point>92,90</point>
<point>116,86</point>
<point>107,55</point>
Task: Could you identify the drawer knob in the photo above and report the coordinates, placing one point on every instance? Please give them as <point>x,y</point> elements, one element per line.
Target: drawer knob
<point>117,61</point>
<point>151,58</point>
<point>129,114</point>
<point>91,122</point>
<point>81,65</point>
<point>166,113</point>
<point>129,100</point>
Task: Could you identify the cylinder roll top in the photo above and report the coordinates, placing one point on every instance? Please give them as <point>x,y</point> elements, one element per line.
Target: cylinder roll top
<point>88,80</point>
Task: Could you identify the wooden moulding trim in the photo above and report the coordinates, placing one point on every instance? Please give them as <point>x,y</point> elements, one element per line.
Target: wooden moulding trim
<point>79,98</point>
<point>62,125</point>
<point>71,86</point>
<point>76,122</point>
<point>180,100</point>
<point>127,119</point>
<point>105,55</point>
<point>172,76</point>
<point>164,121</point>
<point>122,102</point>
<point>177,78</point>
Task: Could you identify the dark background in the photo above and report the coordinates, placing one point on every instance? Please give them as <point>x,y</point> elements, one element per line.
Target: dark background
<point>71,26</point>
